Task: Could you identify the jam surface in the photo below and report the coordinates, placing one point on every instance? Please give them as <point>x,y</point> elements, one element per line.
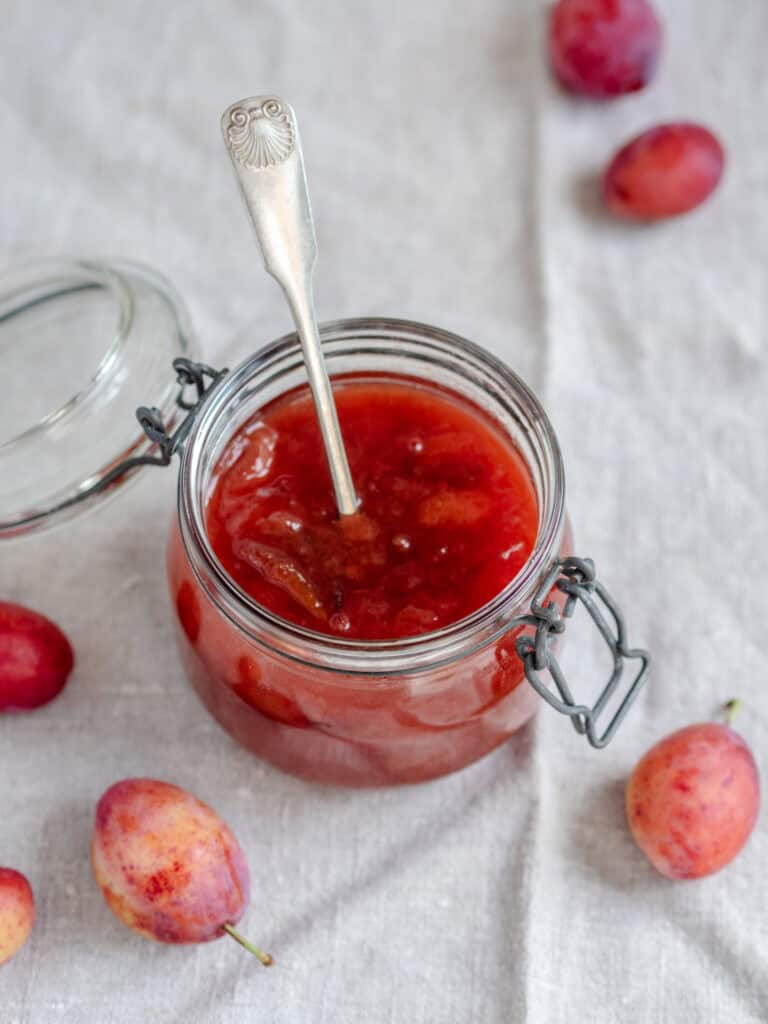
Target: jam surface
<point>448,512</point>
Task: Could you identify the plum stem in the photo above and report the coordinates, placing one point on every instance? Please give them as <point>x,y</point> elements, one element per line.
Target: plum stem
<point>731,708</point>
<point>265,958</point>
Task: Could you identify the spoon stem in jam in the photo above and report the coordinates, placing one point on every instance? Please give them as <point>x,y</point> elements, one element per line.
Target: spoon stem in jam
<point>262,138</point>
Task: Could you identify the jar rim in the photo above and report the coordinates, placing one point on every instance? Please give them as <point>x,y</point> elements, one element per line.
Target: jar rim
<point>353,657</point>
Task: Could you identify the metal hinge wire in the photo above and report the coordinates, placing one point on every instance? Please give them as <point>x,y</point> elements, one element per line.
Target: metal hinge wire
<point>575,578</point>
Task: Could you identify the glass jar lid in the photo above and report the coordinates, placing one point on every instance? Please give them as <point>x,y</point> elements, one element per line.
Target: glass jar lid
<point>83,343</point>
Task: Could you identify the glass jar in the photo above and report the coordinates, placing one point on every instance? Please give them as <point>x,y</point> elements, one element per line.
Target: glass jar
<point>84,341</point>
<point>381,712</point>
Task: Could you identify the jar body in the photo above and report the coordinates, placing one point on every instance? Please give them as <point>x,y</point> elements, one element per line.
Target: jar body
<point>339,729</point>
<point>337,713</point>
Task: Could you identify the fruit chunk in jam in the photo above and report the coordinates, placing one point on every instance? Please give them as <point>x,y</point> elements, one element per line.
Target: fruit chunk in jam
<point>448,512</point>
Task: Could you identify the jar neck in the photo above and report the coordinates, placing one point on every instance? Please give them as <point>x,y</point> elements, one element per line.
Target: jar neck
<point>403,349</point>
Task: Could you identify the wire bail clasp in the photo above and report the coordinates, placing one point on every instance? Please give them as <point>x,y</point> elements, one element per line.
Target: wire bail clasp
<point>575,578</point>
<point>189,374</point>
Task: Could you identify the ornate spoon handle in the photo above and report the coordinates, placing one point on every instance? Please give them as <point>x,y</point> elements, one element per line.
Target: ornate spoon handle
<point>262,138</point>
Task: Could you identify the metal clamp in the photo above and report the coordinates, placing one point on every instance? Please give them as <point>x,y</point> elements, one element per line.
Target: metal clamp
<point>575,577</point>
<point>188,374</point>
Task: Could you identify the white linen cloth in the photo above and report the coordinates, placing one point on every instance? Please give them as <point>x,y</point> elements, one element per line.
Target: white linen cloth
<point>452,183</point>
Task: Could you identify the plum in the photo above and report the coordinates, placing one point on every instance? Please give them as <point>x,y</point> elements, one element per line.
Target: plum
<point>604,48</point>
<point>282,571</point>
<point>168,866</point>
<point>270,702</point>
<point>454,508</point>
<point>188,611</point>
<point>663,172</point>
<point>35,658</point>
<point>692,800</point>
<point>17,912</point>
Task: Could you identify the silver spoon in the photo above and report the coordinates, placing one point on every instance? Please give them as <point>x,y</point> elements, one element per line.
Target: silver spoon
<point>262,138</point>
